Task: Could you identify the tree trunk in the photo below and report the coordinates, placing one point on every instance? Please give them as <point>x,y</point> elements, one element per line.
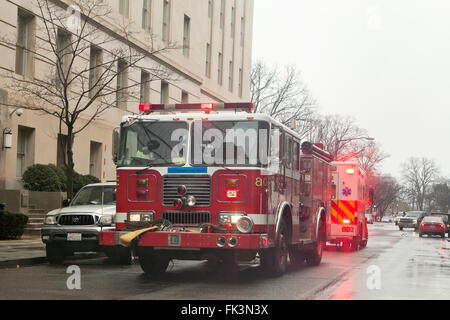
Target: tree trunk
<point>70,163</point>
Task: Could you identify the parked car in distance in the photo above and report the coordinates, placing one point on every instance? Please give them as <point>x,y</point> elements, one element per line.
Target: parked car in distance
<point>432,225</point>
<point>75,228</point>
<point>369,218</point>
<point>412,219</point>
<point>387,219</point>
<point>446,217</point>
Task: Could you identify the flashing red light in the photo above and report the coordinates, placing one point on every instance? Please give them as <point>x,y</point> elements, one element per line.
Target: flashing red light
<point>145,107</point>
<point>350,171</point>
<point>232,194</point>
<point>181,190</point>
<point>150,107</point>
<point>178,203</point>
<point>207,106</point>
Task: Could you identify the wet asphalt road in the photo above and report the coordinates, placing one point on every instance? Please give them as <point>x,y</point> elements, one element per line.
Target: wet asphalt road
<point>395,265</point>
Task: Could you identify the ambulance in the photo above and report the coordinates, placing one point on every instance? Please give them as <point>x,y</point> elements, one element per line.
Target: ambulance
<point>347,224</point>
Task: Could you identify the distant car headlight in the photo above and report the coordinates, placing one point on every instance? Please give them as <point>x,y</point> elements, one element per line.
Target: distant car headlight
<point>414,221</point>
<point>105,221</point>
<point>50,220</point>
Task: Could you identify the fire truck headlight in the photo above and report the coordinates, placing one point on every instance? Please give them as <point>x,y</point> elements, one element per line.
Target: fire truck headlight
<point>232,218</point>
<point>190,201</point>
<point>105,221</point>
<point>245,224</point>
<point>140,217</point>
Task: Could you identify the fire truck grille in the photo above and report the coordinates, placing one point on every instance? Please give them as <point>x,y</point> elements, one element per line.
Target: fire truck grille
<point>185,218</point>
<point>197,186</point>
<point>76,220</point>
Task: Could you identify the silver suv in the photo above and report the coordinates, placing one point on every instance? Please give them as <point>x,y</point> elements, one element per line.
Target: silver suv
<point>76,227</point>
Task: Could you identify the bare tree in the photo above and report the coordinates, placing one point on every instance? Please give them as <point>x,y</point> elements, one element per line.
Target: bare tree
<point>281,94</point>
<point>418,175</point>
<point>370,156</point>
<point>337,133</point>
<point>386,192</point>
<point>87,68</point>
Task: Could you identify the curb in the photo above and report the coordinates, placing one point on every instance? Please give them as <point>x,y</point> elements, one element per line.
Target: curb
<point>23,262</point>
<point>43,260</point>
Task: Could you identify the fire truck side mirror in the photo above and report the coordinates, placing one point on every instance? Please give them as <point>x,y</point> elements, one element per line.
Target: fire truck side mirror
<point>115,144</point>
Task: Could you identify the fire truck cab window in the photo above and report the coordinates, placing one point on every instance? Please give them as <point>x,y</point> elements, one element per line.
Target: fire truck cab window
<point>153,144</point>
<point>232,143</point>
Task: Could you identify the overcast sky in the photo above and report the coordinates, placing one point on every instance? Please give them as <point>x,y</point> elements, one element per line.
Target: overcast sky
<point>386,63</point>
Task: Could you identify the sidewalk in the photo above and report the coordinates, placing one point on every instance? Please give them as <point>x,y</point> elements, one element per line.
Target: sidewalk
<point>27,251</point>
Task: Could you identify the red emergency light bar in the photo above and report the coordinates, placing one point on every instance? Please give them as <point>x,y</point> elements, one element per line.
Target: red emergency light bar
<point>147,108</point>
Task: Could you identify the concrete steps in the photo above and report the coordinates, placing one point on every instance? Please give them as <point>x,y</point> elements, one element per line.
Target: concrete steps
<point>35,221</point>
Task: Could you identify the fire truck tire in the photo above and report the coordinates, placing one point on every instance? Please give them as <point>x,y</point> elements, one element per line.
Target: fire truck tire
<point>363,244</point>
<point>274,260</point>
<point>152,265</point>
<point>120,255</point>
<point>314,256</point>
<point>296,256</point>
<point>55,253</point>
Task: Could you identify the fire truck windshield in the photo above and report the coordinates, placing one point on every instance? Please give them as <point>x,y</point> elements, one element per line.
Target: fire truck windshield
<point>232,143</point>
<point>149,144</point>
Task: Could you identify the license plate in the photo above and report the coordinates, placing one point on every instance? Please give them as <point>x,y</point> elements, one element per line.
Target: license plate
<point>74,237</point>
<point>347,229</point>
<point>174,240</point>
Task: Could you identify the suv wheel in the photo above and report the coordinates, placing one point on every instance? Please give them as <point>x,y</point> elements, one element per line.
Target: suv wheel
<point>55,253</point>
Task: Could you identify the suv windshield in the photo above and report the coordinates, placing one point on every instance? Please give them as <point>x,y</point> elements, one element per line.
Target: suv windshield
<point>412,214</point>
<point>93,196</point>
<point>153,144</point>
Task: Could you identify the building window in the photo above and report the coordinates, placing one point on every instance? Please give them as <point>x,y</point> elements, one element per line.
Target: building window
<point>122,81</point>
<point>242,31</point>
<point>95,62</point>
<point>124,7</point>
<point>220,68</point>
<point>186,35</point>
<point>24,43</point>
<point>184,97</point>
<point>95,159</point>
<point>230,76</point>
<point>25,149</point>
<point>64,52</point>
<point>240,82</point>
<point>208,60</point>
<point>222,14</point>
<point>164,92</point>
<point>210,8</point>
<point>166,20</point>
<point>233,21</point>
<point>145,88</point>
<point>146,14</point>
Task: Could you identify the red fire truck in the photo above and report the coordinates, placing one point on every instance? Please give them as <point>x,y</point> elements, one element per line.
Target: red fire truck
<point>347,223</point>
<point>217,182</point>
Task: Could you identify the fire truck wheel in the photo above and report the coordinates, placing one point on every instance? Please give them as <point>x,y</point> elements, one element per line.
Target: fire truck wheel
<point>314,256</point>
<point>55,253</point>
<point>296,256</point>
<point>274,260</point>
<point>363,244</point>
<point>120,255</point>
<point>151,264</point>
